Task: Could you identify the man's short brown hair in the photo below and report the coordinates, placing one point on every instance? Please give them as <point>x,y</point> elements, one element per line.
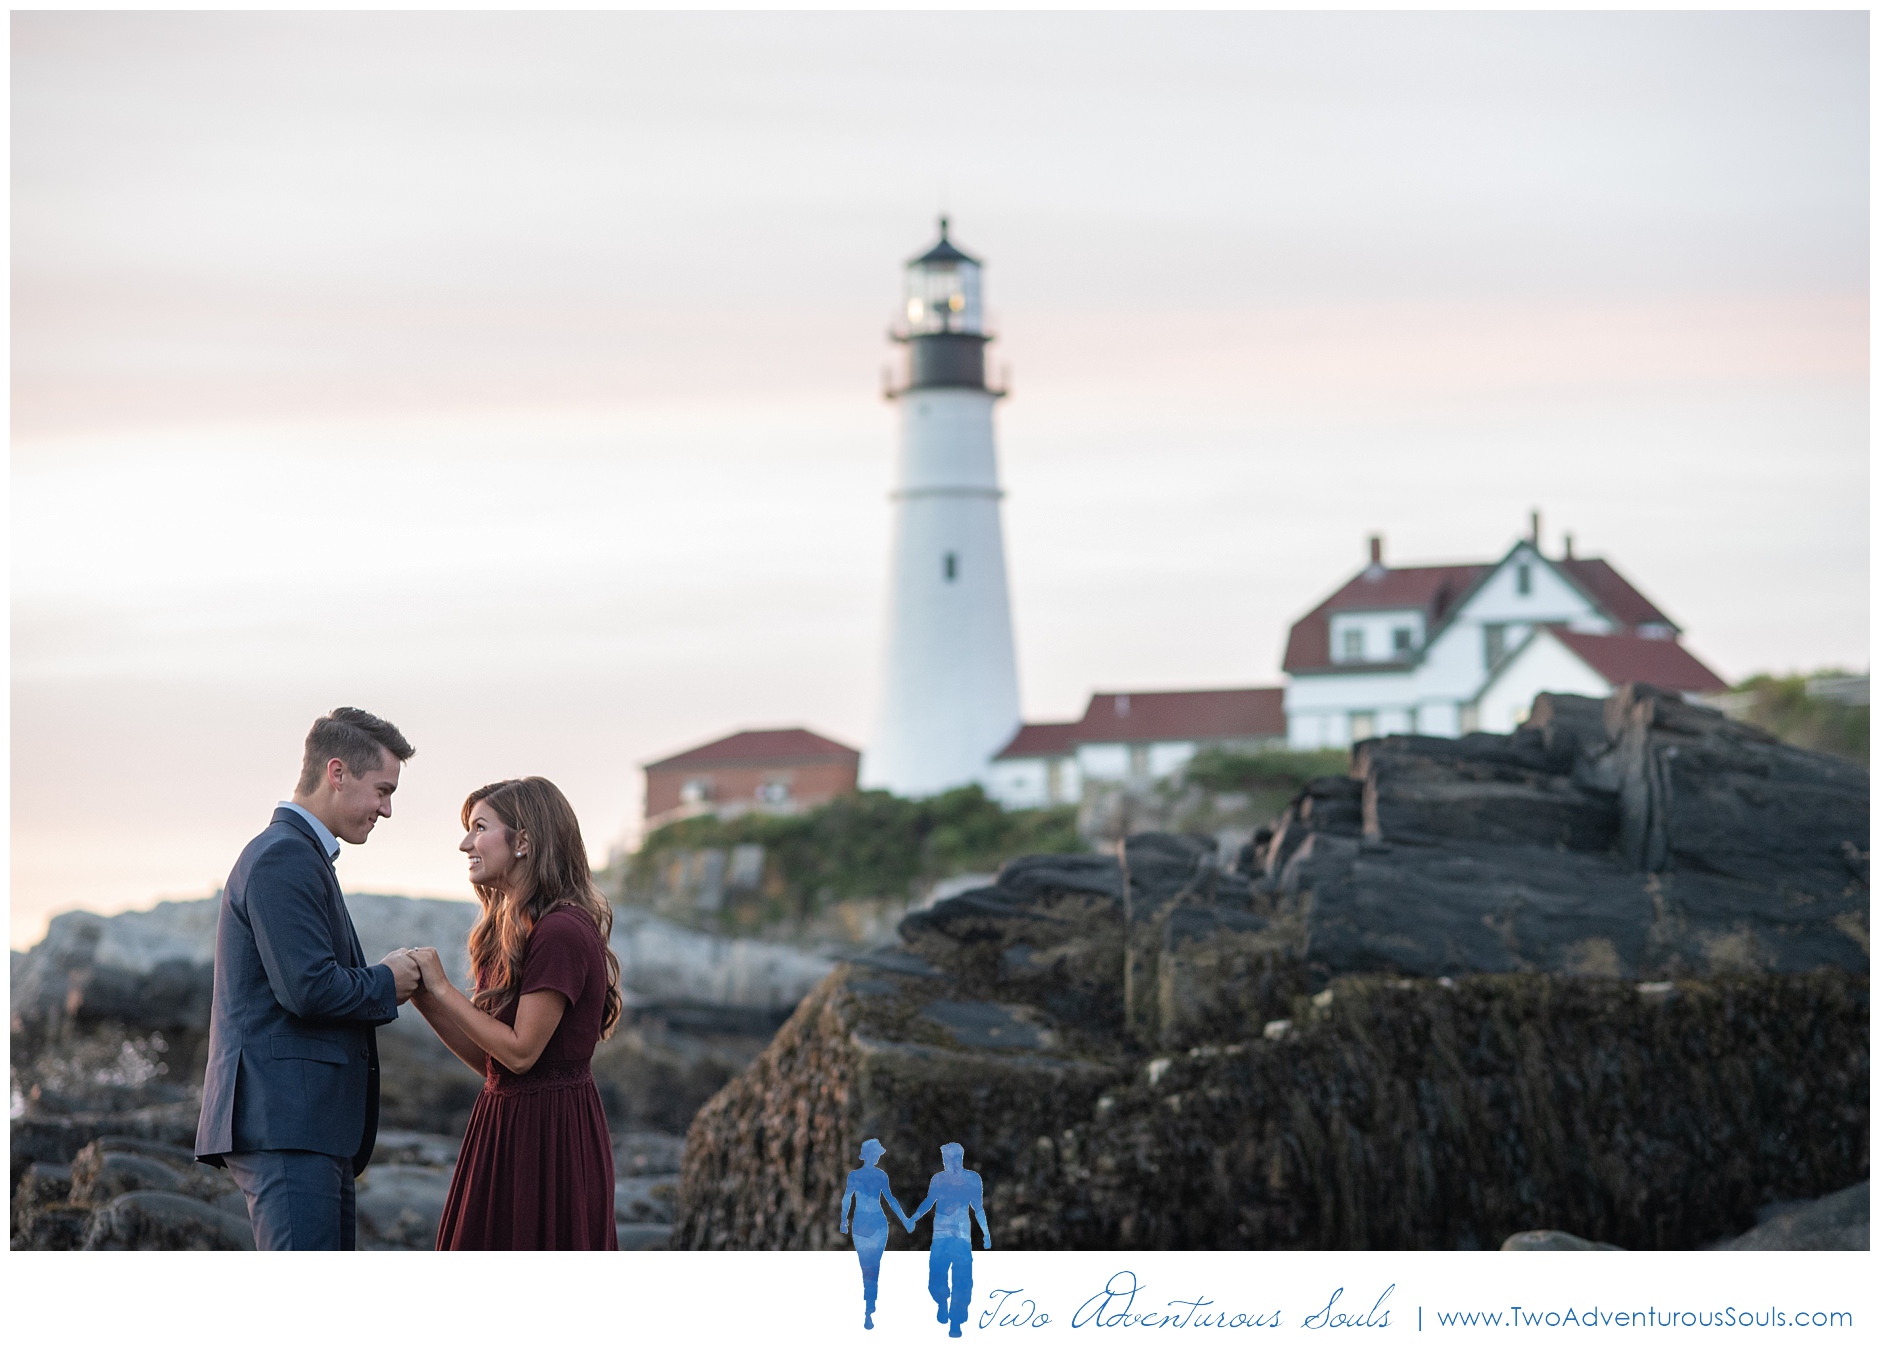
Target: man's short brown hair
<point>357,738</point>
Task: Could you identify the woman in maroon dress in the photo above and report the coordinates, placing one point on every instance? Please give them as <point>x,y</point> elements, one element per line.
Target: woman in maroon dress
<point>537,1166</point>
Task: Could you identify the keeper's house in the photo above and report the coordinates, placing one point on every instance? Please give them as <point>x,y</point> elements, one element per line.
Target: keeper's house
<point>1453,649</point>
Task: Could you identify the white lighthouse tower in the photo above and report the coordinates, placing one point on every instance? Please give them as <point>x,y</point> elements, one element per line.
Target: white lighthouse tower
<point>950,692</point>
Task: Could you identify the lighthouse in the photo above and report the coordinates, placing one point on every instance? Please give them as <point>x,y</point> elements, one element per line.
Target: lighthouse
<point>949,696</point>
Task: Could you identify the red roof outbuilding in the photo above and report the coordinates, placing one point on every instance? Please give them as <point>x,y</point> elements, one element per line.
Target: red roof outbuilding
<point>770,747</point>
<point>1159,716</point>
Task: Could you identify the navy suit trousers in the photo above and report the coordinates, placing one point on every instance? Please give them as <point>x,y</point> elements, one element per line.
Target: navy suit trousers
<point>297,1201</point>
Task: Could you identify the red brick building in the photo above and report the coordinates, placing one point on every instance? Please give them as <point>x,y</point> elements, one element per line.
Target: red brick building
<point>778,770</point>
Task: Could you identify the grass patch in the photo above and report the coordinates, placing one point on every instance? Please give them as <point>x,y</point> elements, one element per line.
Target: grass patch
<point>868,845</point>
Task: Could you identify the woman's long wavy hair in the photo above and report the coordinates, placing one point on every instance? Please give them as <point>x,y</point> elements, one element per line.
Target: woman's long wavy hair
<point>554,872</point>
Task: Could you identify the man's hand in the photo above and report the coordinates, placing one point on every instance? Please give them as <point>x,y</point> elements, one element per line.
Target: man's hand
<point>404,973</point>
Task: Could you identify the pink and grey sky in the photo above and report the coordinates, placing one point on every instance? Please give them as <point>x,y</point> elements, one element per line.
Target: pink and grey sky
<point>516,376</point>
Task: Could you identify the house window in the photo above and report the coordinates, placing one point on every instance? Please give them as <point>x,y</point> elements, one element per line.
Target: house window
<point>950,566</point>
<point>774,791</point>
<point>1363,725</point>
<point>1400,641</point>
<point>1467,718</point>
<point>1523,579</point>
<point>1351,645</point>
<point>1494,643</point>
<point>695,791</point>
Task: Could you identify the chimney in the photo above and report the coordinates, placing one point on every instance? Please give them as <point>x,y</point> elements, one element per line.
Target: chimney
<point>1534,529</point>
<point>1569,548</point>
<point>1377,550</point>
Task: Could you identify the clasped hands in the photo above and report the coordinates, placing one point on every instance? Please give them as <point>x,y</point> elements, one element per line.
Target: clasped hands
<point>414,970</point>
<point>906,1223</point>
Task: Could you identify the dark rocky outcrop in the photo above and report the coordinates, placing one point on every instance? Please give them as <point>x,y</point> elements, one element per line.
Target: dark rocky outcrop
<point>1833,1223</point>
<point>122,1192</point>
<point>1608,973</point>
<point>164,1221</point>
<point>1837,1222</point>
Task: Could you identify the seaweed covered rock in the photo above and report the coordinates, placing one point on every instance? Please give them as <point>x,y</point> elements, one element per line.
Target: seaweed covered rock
<point>1608,974</point>
<point>890,1047</point>
<point>1385,1113</point>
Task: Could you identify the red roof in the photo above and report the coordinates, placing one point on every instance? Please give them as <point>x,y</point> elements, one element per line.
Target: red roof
<point>1041,739</point>
<point>1437,591</point>
<point>1623,657</point>
<point>1434,590</point>
<point>770,747</point>
<point>1183,716</point>
<point>1612,592</point>
<point>1158,716</point>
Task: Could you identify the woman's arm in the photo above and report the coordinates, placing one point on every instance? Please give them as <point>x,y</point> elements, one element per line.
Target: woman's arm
<point>515,1047</point>
<point>447,1030</point>
<point>848,1198</point>
<point>900,1214</point>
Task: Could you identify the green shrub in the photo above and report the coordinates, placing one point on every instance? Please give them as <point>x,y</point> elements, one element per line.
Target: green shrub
<point>865,845</point>
<point>1781,705</point>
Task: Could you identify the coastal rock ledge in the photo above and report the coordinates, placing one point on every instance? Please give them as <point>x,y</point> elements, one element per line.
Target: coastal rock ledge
<point>1607,974</point>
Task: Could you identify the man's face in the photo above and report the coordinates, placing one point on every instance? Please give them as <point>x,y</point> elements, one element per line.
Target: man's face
<point>359,801</point>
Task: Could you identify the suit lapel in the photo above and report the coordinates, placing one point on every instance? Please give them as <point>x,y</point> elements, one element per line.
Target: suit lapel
<point>345,937</point>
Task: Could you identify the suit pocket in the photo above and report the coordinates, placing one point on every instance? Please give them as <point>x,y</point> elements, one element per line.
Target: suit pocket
<point>305,1047</point>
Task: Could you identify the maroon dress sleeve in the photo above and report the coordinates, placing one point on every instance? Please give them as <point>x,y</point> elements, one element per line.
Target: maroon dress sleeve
<point>558,957</point>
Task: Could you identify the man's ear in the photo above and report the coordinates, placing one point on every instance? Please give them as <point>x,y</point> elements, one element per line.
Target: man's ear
<point>335,772</point>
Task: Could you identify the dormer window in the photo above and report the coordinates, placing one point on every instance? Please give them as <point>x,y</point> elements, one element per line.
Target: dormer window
<point>1523,579</point>
<point>1401,641</point>
<point>1351,645</point>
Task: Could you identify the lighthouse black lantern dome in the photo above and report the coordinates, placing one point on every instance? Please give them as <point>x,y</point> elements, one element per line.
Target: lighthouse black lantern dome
<point>943,318</point>
<point>950,681</point>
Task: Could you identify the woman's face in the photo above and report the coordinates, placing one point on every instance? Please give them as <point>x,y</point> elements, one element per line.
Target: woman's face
<point>493,861</point>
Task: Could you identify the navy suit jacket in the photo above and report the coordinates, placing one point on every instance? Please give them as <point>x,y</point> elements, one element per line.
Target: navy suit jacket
<point>293,1047</point>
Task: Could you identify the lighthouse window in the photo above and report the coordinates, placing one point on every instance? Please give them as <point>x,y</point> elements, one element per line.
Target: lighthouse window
<point>950,568</point>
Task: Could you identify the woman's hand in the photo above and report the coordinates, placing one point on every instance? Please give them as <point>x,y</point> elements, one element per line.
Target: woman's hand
<point>431,973</point>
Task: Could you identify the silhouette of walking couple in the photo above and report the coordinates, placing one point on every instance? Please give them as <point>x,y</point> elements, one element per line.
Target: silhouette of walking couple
<point>955,1197</point>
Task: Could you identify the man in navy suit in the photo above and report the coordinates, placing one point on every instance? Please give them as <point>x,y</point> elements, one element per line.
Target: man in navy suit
<point>290,1101</point>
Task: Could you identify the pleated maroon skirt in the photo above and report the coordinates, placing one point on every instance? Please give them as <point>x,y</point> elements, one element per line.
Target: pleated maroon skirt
<point>536,1171</point>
